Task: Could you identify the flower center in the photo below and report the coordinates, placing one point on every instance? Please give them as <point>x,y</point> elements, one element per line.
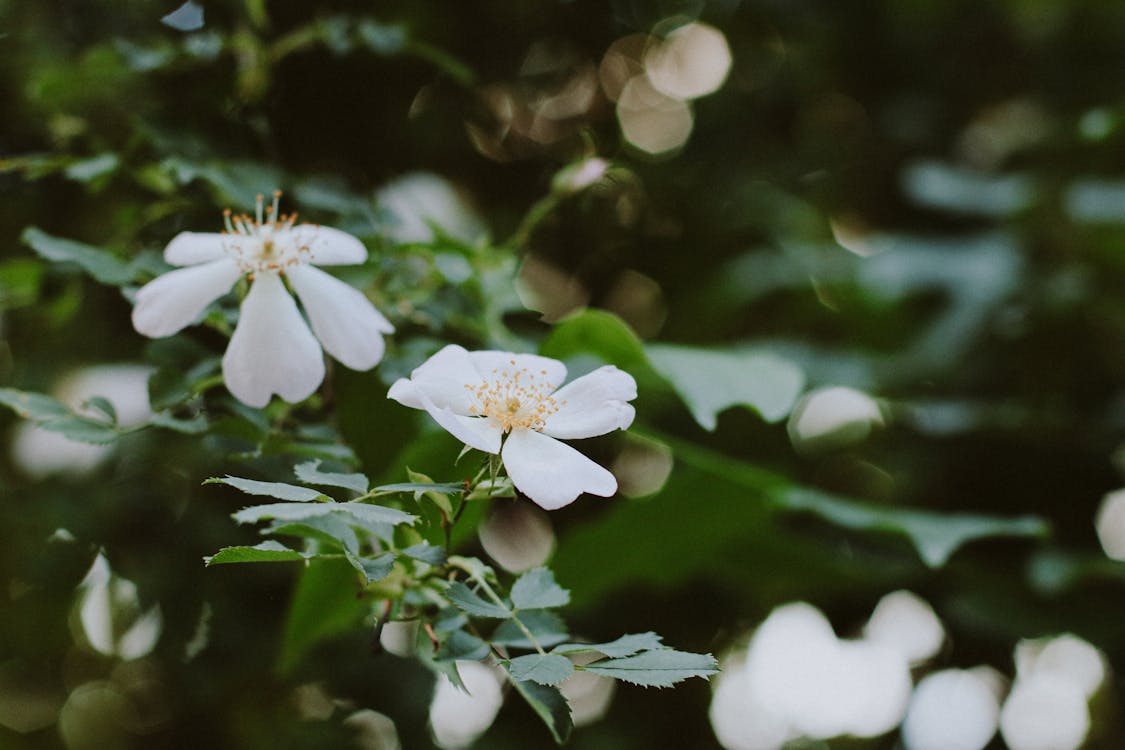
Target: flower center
<point>515,398</point>
<point>253,243</point>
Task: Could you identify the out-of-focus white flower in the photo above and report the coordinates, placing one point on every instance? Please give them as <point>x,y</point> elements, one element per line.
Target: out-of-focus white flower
<point>272,350</point>
<point>517,536</point>
<point>373,730</point>
<point>398,636</point>
<point>833,417</point>
<point>1110,524</point>
<point>417,202</point>
<point>458,717</point>
<point>96,716</point>
<point>906,623</point>
<point>820,686</point>
<point>875,680</point>
<point>690,62</point>
<point>1045,711</point>
<point>110,614</point>
<point>39,452</point>
<point>787,661</point>
<point>951,710</point>
<point>507,404</point>
<point>1066,657</point>
<point>739,718</point>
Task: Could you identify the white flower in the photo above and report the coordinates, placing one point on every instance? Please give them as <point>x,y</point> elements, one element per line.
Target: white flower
<point>479,397</point>
<point>272,350</point>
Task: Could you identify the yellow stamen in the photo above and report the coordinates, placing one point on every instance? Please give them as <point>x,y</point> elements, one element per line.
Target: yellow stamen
<point>514,399</point>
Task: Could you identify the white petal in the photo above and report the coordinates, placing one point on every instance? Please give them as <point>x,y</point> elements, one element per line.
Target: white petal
<point>190,248</point>
<point>169,302</point>
<point>594,404</point>
<point>272,349</point>
<point>476,432</point>
<point>552,473</point>
<point>327,246</point>
<point>347,324</point>
<point>489,361</point>
<point>443,378</point>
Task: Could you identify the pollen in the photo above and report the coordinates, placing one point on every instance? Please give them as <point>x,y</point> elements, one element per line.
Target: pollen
<point>264,242</point>
<point>514,398</point>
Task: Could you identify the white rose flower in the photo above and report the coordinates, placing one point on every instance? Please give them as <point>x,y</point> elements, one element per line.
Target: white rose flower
<point>504,403</point>
<point>272,350</point>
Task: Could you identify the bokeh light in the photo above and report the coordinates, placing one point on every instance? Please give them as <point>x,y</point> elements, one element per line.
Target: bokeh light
<point>517,536</point>
<point>458,717</point>
<point>954,709</point>
<point>907,623</point>
<point>40,452</point>
<point>833,417</point>
<point>690,62</point>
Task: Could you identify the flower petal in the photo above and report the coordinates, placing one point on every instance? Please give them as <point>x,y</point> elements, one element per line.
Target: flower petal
<point>552,473</point>
<point>190,248</point>
<point>594,404</point>
<point>476,432</point>
<point>443,379</point>
<point>272,349</point>
<point>327,246</point>
<point>488,362</point>
<point>171,301</point>
<point>347,324</point>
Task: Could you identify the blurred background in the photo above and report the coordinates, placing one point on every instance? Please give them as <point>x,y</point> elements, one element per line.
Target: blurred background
<point>894,230</point>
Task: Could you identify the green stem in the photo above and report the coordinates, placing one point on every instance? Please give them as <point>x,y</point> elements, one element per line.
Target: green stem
<point>535,216</point>
<point>479,580</point>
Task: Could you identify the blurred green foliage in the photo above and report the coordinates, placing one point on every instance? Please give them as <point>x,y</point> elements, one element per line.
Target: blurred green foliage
<point>923,200</point>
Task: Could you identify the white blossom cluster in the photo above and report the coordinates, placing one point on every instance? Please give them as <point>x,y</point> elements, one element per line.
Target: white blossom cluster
<point>798,680</point>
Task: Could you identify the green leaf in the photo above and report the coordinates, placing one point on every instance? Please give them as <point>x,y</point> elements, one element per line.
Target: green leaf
<point>375,514</point>
<point>299,511</point>
<point>280,490</point>
<point>34,406</point>
<point>470,603</point>
<point>330,529</point>
<point>595,332</point>
<point>194,426</point>
<point>437,498</point>
<point>380,38</point>
<point>449,619</point>
<point>662,667</point>
<point>448,488</point>
<point>546,669</point>
<point>426,552</point>
<point>547,627</point>
<point>269,551</point>
<point>103,266</point>
<point>936,536</point>
<point>282,512</point>
<point>536,589</point>
<point>626,645</point>
<point>20,282</point>
<point>324,604</point>
<point>83,429</point>
<point>88,170</point>
<point>551,707</point>
<point>52,414</point>
<point>372,568</point>
<point>711,381</point>
<point>103,405</point>
<point>462,645</point>
<point>309,474</point>
<point>237,182</point>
